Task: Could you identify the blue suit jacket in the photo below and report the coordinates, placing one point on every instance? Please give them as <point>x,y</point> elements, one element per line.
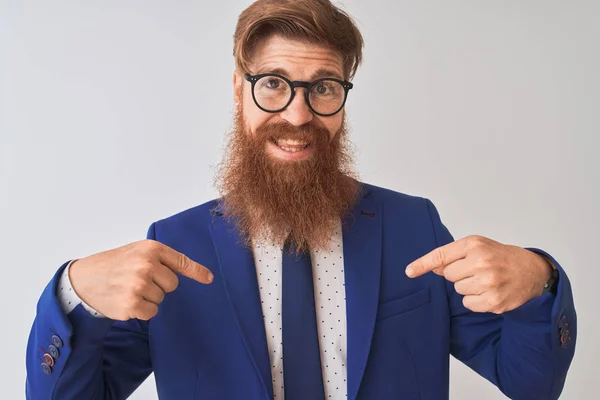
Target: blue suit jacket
<point>208,341</point>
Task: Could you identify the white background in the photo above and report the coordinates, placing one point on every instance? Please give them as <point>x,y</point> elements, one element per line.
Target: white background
<point>113,115</point>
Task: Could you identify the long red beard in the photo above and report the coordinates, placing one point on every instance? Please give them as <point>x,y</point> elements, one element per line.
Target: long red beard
<point>299,201</point>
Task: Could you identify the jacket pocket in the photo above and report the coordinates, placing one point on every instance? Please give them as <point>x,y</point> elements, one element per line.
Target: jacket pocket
<point>403,304</point>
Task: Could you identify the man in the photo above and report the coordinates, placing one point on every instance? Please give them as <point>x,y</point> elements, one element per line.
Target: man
<point>300,281</point>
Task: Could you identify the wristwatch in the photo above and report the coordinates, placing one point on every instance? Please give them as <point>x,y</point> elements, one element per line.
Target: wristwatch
<point>552,283</point>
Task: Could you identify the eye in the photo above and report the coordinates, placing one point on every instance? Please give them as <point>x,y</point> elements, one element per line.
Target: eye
<point>322,88</point>
<point>327,88</point>
<point>272,83</point>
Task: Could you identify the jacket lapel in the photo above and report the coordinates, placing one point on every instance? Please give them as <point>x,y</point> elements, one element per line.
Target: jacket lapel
<point>239,278</point>
<point>362,234</point>
<point>362,241</point>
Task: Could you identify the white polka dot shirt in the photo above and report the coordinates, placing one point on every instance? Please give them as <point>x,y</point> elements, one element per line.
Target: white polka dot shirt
<point>330,303</point>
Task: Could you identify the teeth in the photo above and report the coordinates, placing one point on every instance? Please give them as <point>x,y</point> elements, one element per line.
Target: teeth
<point>291,145</point>
<point>290,142</point>
<point>291,149</point>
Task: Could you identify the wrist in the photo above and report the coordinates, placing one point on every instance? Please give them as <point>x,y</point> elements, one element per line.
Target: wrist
<point>74,276</point>
<point>548,267</point>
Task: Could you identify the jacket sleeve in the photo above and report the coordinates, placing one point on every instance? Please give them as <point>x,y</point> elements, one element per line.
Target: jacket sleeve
<point>525,352</point>
<point>97,358</point>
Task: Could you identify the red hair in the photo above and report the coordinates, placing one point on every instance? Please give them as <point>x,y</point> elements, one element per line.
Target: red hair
<point>311,21</point>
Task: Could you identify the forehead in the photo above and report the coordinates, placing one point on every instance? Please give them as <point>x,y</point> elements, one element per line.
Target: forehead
<point>302,61</point>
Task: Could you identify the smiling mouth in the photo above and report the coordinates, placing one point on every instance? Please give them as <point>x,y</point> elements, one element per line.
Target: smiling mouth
<point>291,145</point>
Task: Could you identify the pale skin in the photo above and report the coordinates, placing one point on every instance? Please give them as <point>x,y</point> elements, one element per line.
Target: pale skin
<point>297,61</point>
<point>492,277</point>
<point>131,281</point>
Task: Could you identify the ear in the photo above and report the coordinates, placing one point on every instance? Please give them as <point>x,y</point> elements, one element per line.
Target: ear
<point>238,82</point>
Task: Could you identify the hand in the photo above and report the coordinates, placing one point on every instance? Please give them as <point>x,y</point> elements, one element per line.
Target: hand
<point>491,276</point>
<point>131,281</point>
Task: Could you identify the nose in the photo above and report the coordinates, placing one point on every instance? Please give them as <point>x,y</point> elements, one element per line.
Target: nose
<point>298,113</point>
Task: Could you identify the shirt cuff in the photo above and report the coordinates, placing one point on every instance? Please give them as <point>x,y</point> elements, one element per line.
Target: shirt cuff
<point>67,297</point>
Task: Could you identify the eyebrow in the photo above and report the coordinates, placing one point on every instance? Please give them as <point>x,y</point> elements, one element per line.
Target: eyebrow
<point>320,73</point>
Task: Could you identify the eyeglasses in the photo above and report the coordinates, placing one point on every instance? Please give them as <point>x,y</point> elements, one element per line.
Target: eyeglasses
<point>273,93</point>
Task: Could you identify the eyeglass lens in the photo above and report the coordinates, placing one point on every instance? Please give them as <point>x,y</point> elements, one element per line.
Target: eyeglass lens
<point>273,93</point>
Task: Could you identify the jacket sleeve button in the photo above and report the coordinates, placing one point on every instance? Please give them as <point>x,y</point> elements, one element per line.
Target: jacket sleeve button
<point>57,341</point>
<point>48,359</point>
<point>53,351</point>
<point>46,369</point>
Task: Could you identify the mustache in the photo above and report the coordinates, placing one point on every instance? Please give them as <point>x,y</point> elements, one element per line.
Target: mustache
<point>310,132</point>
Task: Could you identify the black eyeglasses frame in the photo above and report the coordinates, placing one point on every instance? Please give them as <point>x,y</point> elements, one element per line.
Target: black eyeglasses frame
<point>302,84</point>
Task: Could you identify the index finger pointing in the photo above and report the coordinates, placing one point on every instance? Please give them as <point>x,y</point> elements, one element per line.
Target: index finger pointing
<point>181,264</point>
<point>437,259</point>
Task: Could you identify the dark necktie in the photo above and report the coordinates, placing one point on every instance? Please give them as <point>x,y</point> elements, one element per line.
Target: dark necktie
<point>302,374</point>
